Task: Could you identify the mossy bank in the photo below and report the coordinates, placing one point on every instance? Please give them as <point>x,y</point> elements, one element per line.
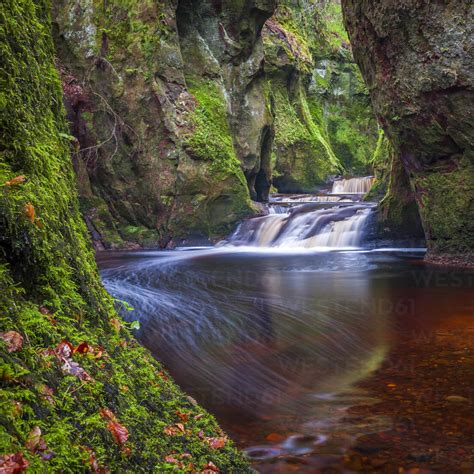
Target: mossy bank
<point>107,405</point>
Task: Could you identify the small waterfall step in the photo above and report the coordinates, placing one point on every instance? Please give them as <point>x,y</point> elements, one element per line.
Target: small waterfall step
<point>335,220</point>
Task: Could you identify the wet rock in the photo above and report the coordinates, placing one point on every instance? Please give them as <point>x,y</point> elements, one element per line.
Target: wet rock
<point>417,58</point>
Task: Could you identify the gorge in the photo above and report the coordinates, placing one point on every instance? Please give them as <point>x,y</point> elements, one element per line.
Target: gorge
<point>250,215</point>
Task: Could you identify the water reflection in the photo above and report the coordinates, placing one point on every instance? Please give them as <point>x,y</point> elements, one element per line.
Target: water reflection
<point>275,343</point>
<point>253,336</point>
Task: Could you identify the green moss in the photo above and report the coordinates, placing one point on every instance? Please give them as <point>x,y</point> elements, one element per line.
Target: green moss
<point>210,137</point>
<point>303,152</point>
<point>446,204</point>
<point>50,291</point>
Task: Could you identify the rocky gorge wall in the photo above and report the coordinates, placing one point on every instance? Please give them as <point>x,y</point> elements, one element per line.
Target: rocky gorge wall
<point>324,125</point>
<point>186,112</point>
<point>166,102</point>
<point>417,59</point>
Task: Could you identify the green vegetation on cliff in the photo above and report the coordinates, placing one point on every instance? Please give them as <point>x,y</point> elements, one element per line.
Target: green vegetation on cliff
<point>310,67</point>
<point>107,404</point>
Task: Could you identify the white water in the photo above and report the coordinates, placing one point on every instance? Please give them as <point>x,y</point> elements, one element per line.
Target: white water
<point>353,185</point>
<point>302,221</point>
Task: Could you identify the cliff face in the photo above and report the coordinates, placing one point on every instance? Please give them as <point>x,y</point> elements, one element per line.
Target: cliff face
<point>324,124</point>
<point>77,391</point>
<point>166,101</point>
<point>183,115</point>
<point>417,59</point>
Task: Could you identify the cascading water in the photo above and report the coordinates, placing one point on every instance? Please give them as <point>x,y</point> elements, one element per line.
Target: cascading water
<point>353,185</point>
<point>311,221</point>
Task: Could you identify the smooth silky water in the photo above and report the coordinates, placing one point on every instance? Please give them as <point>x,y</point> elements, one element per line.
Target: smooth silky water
<point>273,333</point>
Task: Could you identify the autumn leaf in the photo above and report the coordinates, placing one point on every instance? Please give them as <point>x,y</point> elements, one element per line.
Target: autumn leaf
<point>177,429</point>
<point>183,416</point>
<point>116,324</point>
<point>13,340</point>
<point>216,443</point>
<point>119,432</point>
<point>17,180</point>
<point>29,211</point>
<point>82,348</point>
<point>73,368</point>
<point>13,463</point>
<point>172,460</point>
<point>210,468</point>
<point>33,441</point>
<point>94,464</point>
<point>64,349</point>
<point>108,414</point>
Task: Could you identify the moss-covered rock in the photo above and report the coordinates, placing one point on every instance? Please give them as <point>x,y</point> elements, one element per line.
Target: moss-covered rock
<point>416,58</point>
<point>324,124</point>
<point>135,115</point>
<point>107,405</point>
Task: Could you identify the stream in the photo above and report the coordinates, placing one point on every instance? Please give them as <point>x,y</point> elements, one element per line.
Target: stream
<point>274,329</point>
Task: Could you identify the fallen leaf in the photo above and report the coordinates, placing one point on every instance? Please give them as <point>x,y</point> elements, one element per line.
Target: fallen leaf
<point>17,180</point>
<point>174,430</point>
<point>274,437</point>
<point>82,348</point>
<point>106,413</point>
<point>33,440</point>
<point>216,443</point>
<point>173,460</point>
<point>183,416</point>
<point>74,368</point>
<point>119,432</point>
<point>210,468</point>
<point>13,340</point>
<point>126,450</point>
<point>64,349</point>
<point>116,324</point>
<point>29,211</point>
<point>13,463</point>
<point>94,464</point>
<point>391,385</point>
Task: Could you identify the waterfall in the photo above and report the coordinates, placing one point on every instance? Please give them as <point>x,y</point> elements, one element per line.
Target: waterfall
<point>321,220</point>
<point>305,227</point>
<point>353,185</point>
